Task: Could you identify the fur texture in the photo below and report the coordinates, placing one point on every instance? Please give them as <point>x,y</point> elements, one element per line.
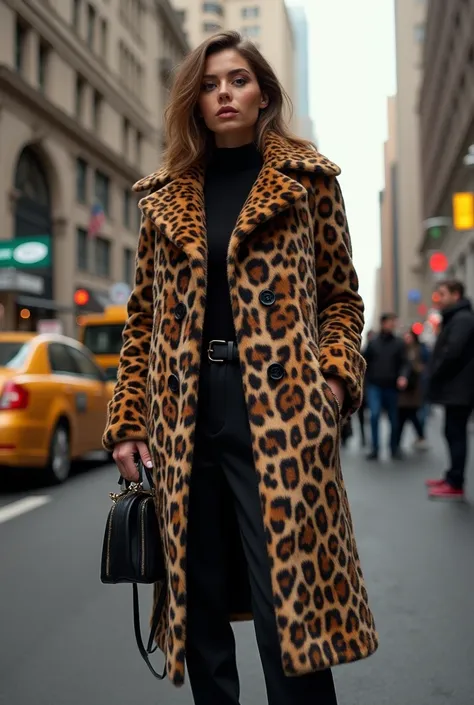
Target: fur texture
<point>292,238</point>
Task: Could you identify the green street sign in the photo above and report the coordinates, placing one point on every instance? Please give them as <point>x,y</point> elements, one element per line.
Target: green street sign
<point>26,252</point>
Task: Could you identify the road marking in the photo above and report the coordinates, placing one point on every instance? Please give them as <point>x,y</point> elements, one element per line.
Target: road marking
<point>22,506</point>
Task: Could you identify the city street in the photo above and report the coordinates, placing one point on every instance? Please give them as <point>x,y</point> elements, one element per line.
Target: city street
<point>68,640</point>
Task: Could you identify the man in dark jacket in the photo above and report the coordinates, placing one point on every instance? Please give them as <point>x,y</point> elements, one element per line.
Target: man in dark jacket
<point>387,373</point>
<point>452,383</point>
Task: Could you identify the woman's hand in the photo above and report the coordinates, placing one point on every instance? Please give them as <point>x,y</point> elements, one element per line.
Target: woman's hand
<point>124,455</point>
<point>337,388</point>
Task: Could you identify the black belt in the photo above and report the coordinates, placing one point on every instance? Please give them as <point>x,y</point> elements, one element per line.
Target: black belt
<point>222,351</point>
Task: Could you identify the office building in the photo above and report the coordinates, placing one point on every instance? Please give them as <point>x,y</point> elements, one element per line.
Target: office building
<point>299,21</point>
<point>402,221</point>
<point>447,134</point>
<point>82,88</point>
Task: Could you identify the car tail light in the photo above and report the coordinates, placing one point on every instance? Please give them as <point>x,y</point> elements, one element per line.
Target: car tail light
<point>13,396</point>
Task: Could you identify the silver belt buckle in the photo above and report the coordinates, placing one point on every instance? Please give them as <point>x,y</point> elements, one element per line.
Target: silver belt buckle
<point>210,350</point>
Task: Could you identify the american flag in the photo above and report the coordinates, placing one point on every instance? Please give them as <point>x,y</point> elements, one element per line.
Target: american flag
<point>97,220</point>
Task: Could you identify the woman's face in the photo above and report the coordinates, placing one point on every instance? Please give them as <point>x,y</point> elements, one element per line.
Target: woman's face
<point>230,99</point>
<point>409,340</point>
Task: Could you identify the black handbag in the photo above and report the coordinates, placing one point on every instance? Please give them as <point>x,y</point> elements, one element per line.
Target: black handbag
<point>132,551</point>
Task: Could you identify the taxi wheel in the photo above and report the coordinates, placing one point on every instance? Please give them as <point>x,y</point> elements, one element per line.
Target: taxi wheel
<point>59,464</point>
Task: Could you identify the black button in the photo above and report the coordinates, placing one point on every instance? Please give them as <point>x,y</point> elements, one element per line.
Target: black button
<point>180,311</point>
<point>267,297</point>
<point>173,383</point>
<point>276,371</point>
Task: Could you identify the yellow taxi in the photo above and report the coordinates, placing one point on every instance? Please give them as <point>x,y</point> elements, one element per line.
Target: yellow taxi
<point>53,402</point>
<point>101,333</point>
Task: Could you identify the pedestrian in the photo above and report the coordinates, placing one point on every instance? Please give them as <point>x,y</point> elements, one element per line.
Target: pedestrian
<point>241,359</point>
<point>410,400</point>
<point>452,383</point>
<point>363,407</point>
<point>387,374</point>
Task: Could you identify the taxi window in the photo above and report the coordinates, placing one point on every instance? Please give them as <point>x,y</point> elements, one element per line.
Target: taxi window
<point>86,366</point>
<point>61,361</point>
<point>13,354</point>
<point>104,339</point>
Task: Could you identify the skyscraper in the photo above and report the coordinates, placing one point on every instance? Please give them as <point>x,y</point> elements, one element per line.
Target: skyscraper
<point>304,124</point>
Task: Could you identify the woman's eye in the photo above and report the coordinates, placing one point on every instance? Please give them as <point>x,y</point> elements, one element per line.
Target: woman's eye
<point>240,81</point>
<point>208,86</point>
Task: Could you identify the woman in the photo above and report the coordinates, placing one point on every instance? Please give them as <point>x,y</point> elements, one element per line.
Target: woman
<point>410,400</point>
<point>241,355</point>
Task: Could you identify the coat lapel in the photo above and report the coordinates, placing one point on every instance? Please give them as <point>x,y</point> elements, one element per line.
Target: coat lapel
<point>176,207</point>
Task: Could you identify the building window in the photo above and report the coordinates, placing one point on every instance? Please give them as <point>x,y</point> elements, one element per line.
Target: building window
<point>128,266</point>
<point>76,15</point>
<point>81,180</point>
<point>80,89</point>
<point>211,27</point>
<point>101,191</point>
<point>126,208</point>
<point>43,53</point>
<point>250,12</point>
<point>104,31</point>
<point>252,31</point>
<point>82,249</point>
<point>213,8</point>
<point>91,18</point>
<point>419,31</point>
<point>138,148</point>
<point>97,111</point>
<point>102,257</point>
<point>125,137</point>
<point>20,38</point>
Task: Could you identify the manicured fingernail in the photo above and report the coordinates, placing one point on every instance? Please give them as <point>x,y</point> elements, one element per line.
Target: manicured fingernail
<point>149,464</point>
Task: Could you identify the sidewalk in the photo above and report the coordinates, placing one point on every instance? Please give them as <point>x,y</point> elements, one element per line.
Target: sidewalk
<point>418,560</point>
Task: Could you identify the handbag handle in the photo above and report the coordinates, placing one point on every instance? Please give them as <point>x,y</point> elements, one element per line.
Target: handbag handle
<point>142,471</point>
<point>138,634</point>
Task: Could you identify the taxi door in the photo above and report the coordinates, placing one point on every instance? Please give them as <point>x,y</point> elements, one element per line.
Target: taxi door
<point>94,381</point>
<point>84,395</point>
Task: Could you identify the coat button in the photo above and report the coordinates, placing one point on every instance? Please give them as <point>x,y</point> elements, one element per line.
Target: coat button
<point>267,297</point>
<point>180,311</point>
<point>173,383</point>
<point>276,371</point>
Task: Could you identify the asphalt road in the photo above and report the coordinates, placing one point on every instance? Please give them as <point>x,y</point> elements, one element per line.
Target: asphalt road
<point>66,639</point>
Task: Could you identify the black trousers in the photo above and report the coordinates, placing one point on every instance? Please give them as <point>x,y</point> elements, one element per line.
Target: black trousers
<point>455,431</point>
<point>408,413</point>
<point>224,476</point>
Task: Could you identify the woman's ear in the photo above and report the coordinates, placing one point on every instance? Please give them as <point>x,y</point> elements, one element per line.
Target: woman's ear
<point>264,102</point>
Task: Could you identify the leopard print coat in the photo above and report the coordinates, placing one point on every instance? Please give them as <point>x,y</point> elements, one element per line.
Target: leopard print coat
<point>292,238</point>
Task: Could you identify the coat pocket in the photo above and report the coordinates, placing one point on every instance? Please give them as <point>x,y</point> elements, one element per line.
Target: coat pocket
<point>328,396</point>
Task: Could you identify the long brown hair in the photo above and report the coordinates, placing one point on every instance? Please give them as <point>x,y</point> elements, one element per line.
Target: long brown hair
<point>188,139</point>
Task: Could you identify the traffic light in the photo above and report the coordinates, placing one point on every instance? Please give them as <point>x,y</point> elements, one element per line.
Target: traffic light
<point>81,297</point>
<point>463,211</point>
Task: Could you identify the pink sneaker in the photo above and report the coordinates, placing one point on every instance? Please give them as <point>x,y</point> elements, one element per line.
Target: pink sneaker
<point>445,491</point>
<point>435,483</point>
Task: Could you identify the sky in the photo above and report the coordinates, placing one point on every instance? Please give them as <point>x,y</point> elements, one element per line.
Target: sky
<point>351,74</point>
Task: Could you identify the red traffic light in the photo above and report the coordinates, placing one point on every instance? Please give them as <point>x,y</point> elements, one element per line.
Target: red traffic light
<point>418,328</point>
<point>438,262</point>
<point>81,297</point>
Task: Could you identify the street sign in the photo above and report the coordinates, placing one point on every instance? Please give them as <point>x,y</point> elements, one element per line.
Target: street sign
<point>26,253</point>
<point>119,293</point>
<point>49,325</point>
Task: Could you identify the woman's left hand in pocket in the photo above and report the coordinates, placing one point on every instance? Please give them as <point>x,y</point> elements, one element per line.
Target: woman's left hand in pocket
<point>337,388</point>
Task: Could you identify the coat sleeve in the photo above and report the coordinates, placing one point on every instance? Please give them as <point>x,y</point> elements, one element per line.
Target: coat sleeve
<point>340,307</point>
<point>126,419</point>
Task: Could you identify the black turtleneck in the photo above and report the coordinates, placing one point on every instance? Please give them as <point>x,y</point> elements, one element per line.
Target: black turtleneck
<point>229,178</point>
